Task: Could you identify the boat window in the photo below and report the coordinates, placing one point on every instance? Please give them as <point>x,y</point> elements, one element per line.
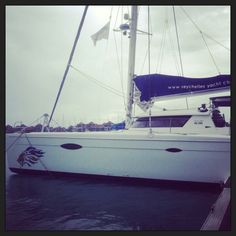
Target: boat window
<point>161,122</point>
<point>164,121</point>
<point>179,121</point>
<point>140,123</point>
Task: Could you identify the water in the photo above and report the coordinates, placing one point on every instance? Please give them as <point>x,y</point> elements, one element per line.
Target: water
<point>53,203</point>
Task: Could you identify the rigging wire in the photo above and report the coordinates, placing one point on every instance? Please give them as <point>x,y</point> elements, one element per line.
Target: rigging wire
<point>110,16</point>
<point>121,50</point>
<point>104,64</point>
<point>217,68</point>
<point>22,132</point>
<point>109,29</point>
<point>117,56</point>
<point>117,16</point>
<point>161,54</point>
<point>69,62</point>
<point>149,71</point>
<point>166,35</point>
<point>56,122</point>
<point>102,85</point>
<point>208,36</point>
<point>204,40</point>
<point>120,61</point>
<point>180,59</point>
<point>111,13</point>
<point>173,53</point>
<point>149,52</point>
<point>161,57</point>
<point>177,36</point>
<point>172,47</point>
<point>194,23</point>
<point>150,39</point>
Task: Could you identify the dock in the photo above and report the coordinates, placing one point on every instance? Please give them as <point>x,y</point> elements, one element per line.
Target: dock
<point>218,218</point>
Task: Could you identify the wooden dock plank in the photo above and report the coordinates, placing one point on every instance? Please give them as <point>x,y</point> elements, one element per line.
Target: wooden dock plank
<point>218,210</point>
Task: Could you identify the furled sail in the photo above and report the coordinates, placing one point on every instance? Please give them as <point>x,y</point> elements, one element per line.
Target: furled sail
<point>148,88</point>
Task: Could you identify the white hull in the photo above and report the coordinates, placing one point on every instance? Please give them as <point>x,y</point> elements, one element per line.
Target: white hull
<point>203,158</point>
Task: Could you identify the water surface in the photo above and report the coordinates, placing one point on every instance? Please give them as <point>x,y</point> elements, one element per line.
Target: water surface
<point>66,203</point>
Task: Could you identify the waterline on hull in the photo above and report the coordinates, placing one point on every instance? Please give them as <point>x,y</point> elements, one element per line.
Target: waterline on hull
<point>125,179</point>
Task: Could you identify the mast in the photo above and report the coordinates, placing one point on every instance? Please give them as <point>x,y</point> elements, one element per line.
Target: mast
<point>132,47</point>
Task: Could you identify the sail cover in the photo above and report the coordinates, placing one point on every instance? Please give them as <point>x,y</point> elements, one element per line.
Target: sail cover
<point>148,88</point>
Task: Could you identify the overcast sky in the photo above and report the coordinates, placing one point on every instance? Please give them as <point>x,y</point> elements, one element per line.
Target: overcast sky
<point>39,40</point>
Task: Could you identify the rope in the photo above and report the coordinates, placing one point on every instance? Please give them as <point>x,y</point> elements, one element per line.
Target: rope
<point>8,148</point>
<point>21,133</point>
<point>56,122</point>
<point>41,162</point>
<point>69,62</point>
<point>28,141</point>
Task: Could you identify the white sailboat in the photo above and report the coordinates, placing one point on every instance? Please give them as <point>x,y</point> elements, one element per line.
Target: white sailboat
<point>184,145</point>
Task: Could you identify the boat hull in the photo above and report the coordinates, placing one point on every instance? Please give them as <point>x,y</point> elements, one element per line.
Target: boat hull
<point>204,159</point>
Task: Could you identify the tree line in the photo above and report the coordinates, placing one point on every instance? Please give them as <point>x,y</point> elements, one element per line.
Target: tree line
<point>81,127</point>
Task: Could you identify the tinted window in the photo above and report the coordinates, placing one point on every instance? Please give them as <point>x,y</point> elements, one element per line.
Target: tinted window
<point>161,122</point>
<point>164,121</point>
<point>140,123</point>
<point>179,121</point>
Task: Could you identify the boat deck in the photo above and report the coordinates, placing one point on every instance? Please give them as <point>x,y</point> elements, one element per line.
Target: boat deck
<point>219,218</point>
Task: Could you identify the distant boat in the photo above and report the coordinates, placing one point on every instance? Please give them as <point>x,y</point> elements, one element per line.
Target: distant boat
<point>182,145</point>
<point>118,126</point>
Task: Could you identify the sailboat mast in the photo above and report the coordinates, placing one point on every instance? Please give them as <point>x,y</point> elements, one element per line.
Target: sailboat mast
<point>132,48</point>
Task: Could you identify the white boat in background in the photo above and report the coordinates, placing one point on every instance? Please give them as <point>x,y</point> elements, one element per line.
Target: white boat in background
<point>183,145</point>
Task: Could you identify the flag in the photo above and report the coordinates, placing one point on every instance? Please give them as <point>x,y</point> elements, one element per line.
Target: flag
<point>103,33</point>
